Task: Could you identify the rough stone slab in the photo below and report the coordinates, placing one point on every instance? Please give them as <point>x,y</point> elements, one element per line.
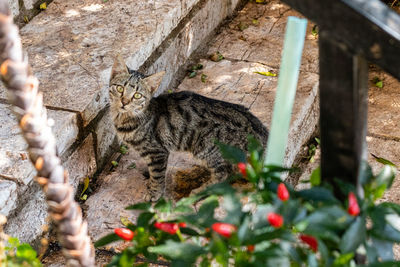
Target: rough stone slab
<point>189,39</point>
<point>14,6</point>
<point>31,216</point>
<point>123,187</point>
<point>261,37</point>
<point>8,196</point>
<point>70,46</point>
<point>14,161</point>
<point>388,149</point>
<point>105,139</point>
<point>238,83</point>
<point>384,106</point>
<point>27,223</point>
<point>82,163</point>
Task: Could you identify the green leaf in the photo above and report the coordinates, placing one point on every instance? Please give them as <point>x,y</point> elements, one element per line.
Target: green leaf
<point>85,186</point>
<point>388,233</point>
<point>233,207</point>
<point>132,166</point>
<point>189,231</point>
<point>197,67</point>
<point>125,221</point>
<point>318,194</point>
<point>106,240</point>
<point>25,251</point>
<point>266,73</point>
<point>114,163</point>
<point>205,215</point>
<point>383,264</point>
<point>379,84</point>
<point>386,176</point>
<point>312,260</point>
<point>163,206</point>
<point>144,219</point>
<point>13,241</point>
<point>139,206</point>
<point>315,177</point>
<point>178,251</point>
<point>314,30</point>
<point>366,175</point>
<point>123,149</point>
<point>192,74</point>
<point>203,78</point>
<point>126,260</point>
<point>384,249</point>
<point>383,161</point>
<point>343,259</point>
<point>231,153</point>
<point>243,25</point>
<point>354,236</point>
<point>216,57</point>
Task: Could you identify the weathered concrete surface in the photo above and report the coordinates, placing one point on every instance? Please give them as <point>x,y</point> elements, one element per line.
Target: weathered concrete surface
<point>235,80</point>
<point>384,106</point>
<point>124,186</point>
<point>14,161</point>
<point>105,138</point>
<point>26,223</point>
<point>189,39</point>
<point>70,46</point>
<point>230,80</point>
<point>8,196</point>
<point>256,36</point>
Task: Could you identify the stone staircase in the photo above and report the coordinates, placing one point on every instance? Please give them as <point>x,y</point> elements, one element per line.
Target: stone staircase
<point>71,46</point>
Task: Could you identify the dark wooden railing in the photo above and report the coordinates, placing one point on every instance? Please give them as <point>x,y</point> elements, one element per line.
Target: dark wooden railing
<point>351,33</point>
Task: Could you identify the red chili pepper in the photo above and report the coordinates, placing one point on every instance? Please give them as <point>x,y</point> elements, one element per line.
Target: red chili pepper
<point>224,229</point>
<point>250,248</point>
<point>353,209</point>
<point>283,193</point>
<point>275,219</point>
<point>182,224</point>
<point>311,241</point>
<point>170,228</point>
<point>124,233</point>
<point>242,168</point>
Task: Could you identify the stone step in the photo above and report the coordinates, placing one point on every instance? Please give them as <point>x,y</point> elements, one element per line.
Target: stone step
<point>232,79</point>
<point>71,46</point>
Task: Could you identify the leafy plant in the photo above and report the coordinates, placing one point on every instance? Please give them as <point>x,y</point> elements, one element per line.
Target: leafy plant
<point>269,224</point>
<point>17,254</point>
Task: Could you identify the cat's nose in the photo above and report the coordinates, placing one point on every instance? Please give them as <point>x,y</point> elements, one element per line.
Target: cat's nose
<point>125,101</point>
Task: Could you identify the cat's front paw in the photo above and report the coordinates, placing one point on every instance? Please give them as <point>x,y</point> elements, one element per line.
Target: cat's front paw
<point>152,196</point>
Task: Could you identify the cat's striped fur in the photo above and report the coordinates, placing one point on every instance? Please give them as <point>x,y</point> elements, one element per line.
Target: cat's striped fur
<point>183,121</point>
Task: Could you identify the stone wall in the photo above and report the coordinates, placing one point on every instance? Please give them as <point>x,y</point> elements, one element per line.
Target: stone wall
<point>71,46</point>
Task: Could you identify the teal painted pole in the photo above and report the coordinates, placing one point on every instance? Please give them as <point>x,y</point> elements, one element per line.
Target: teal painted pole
<point>286,91</point>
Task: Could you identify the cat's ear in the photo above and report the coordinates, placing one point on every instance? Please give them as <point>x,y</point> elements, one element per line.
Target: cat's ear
<point>154,81</point>
<point>119,67</point>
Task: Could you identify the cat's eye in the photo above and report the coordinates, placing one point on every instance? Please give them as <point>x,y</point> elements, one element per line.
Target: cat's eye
<point>120,89</point>
<point>137,95</point>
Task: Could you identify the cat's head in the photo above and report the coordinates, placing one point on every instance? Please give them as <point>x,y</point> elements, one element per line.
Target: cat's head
<point>131,91</point>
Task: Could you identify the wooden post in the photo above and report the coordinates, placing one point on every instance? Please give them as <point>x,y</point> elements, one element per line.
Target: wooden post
<point>343,106</point>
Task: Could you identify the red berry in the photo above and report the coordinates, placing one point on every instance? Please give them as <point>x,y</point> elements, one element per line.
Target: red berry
<point>182,224</point>
<point>224,229</point>
<point>250,248</point>
<point>124,233</point>
<point>311,241</point>
<point>275,219</point>
<point>353,209</point>
<point>170,228</point>
<point>282,192</point>
<point>242,168</point>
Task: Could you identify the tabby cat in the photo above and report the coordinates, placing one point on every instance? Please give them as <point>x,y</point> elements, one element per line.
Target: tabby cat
<point>182,121</point>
